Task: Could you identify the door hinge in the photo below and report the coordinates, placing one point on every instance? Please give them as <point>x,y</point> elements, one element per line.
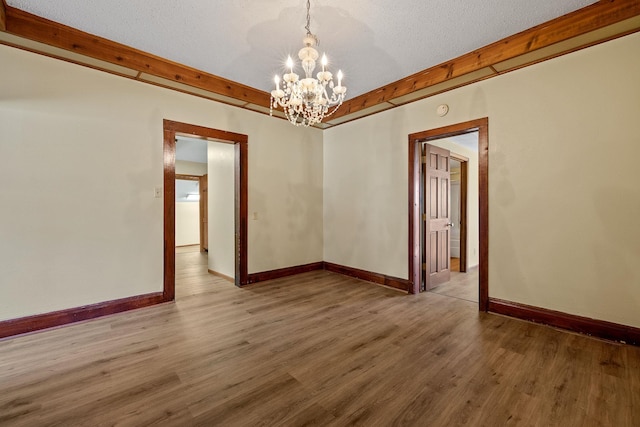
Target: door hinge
<point>424,266</point>
<point>424,216</point>
<point>423,159</point>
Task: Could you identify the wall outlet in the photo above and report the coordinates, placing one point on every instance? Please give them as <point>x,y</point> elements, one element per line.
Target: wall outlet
<point>157,192</point>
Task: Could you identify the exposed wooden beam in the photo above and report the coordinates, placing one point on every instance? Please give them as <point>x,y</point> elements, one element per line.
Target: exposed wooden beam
<point>3,15</point>
<point>42,30</point>
<point>582,21</point>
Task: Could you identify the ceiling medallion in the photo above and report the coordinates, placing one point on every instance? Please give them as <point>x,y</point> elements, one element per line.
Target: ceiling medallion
<point>306,101</point>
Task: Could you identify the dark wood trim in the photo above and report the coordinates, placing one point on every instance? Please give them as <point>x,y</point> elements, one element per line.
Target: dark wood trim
<point>414,251</point>
<point>202,132</point>
<point>284,272</point>
<point>415,139</point>
<point>188,177</point>
<point>368,276</point>
<point>483,212</point>
<point>37,322</point>
<point>570,322</point>
<point>202,230</point>
<point>169,213</point>
<point>381,279</point>
<point>240,141</point>
<point>3,15</point>
<point>459,157</point>
<point>32,27</point>
<point>241,212</point>
<point>464,202</point>
<point>588,19</point>
<point>582,21</point>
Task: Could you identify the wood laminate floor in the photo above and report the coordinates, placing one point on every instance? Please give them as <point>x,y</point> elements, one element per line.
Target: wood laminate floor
<point>461,285</point>
<point>187,249</point>
<point>315,349</point>
<point>454,264</point>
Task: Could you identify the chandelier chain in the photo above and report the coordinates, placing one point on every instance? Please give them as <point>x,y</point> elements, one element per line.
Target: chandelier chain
<point>308,18</point>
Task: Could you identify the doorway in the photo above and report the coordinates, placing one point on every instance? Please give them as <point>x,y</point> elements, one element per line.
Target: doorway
<point>189,211</point>
<point>419,178</point>
<point>240,189</point>
<point>191,164</point>
<point>459,212</point>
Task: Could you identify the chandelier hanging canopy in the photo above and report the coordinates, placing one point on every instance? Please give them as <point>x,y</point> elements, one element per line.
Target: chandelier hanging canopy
<point>306,101</point>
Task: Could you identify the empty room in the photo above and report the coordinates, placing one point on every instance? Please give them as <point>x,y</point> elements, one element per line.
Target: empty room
<point>329,213</point>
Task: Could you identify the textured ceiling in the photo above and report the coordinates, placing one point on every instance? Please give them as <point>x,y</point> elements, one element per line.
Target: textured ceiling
<point>374,42</point>
<point>191,149</point>
<point>467,140</point>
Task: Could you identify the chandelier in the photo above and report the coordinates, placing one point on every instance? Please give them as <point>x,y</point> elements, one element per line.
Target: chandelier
<point>306,101</point>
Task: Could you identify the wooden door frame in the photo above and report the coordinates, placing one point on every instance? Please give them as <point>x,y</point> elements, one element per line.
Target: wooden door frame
<point>415,140</point>
<point>240,141</point>
<point>464,183</point>
<point>203,179</point>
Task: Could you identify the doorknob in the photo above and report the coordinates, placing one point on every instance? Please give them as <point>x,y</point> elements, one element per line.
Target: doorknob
<point>449,224</point>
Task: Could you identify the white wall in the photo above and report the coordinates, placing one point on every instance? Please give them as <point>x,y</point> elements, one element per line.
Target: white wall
<point>563,186</point>
<point>83,225</point>
<point>291,211</point>
<point>185,167</point>
<point>187,223</point>
<point>221,256</point>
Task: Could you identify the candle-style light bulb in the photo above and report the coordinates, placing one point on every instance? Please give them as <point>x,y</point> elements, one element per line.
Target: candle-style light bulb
<point>339,77</point>
<point>290,64</point>
<point>277,80</point>
<point>324,61</point>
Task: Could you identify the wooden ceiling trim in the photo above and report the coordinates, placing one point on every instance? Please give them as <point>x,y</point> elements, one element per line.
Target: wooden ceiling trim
<point>444,86</point>
<point>447,85</point>
<point>171,84</point>
<point>42,30</point>
<point>582,21</point>
<point>600,35</point>
<point>585,27</point>
<point>64,55</point>
<point>3,15</point>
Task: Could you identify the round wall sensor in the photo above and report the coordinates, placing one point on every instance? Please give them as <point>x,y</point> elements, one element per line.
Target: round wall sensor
<point>442,110</point>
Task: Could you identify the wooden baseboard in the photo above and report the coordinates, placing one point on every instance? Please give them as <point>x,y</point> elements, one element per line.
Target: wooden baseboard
<point>584,325</point>
<point>37,322</point>
<point>223,276</point>
<point>381,279</point>
<point>57,318</point>
<point>284,272</point>
<point>558,319</point>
